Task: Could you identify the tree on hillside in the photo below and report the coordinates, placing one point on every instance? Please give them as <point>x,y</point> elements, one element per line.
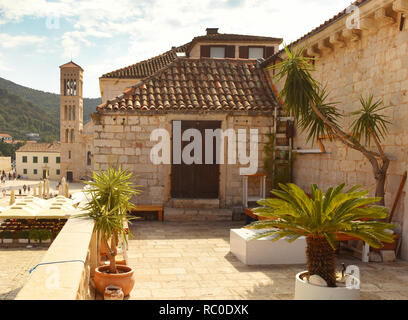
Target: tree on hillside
<point>306,98</point>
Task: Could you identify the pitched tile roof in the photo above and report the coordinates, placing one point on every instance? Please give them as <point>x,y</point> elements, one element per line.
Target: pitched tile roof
<point>189,84</point>
<point>41,147</point>
<point>316,30</point>
<point>229,37</point>
<point>148,67</point>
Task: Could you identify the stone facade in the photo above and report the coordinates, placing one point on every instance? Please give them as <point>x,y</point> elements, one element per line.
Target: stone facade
<point>129,145</point>
<point>374,61</point>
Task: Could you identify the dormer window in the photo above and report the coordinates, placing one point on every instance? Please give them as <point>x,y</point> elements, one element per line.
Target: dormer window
<point>217,52</point>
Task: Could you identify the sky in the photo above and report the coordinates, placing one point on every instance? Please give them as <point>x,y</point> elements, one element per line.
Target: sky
<point>37,36</point>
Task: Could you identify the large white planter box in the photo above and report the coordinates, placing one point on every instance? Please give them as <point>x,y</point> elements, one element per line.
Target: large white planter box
<point>264,251</point>
<point>7,240</point>
<point>22,240</point>
<point>307,291</point>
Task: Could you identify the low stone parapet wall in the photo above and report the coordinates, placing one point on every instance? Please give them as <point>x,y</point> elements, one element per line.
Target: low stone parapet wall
<point>67,267</point>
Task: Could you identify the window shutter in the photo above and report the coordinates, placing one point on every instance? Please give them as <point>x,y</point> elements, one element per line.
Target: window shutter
<point>205,51</point>
<point>269,51</point>
<point>243,52</point>
<point>229,51</point>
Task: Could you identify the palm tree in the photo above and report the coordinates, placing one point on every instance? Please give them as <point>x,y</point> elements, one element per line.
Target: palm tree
<point>111,192</point>
<point>321,218</point>
<point>305,98</point>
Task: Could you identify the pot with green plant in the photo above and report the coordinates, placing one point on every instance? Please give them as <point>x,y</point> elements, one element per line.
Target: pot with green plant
<point>22,236</point>
<point>45,236</point>
<point>322,218</point>
<point>110,193</point>
<point>6,236</point>
<point>34,236</point>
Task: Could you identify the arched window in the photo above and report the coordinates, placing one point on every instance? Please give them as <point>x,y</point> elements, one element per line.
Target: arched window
<point>66,135</point>
<point>66,113</point>
<point>72,138</point>
<point>73,112</point>
<point>88,158</point>
<point>69,113</point>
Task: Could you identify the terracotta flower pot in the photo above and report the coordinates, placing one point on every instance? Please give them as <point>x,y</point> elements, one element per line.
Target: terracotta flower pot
<point>124,279</point>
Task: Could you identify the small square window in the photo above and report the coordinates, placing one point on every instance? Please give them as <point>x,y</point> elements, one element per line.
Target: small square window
<point>24,159</point>
<point>255,53</point>
<point>24,171</point>
<point>35,159</point>
<point>217,52</point>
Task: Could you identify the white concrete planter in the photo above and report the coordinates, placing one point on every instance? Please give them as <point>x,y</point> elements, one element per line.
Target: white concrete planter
<point>46,241</point>
<point>307,291</point>
<point>22,240</point>
<point>7,240</point>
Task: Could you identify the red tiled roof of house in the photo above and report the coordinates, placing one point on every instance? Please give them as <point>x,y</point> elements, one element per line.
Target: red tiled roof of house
<point>189,84</point>
<point>147,67</point>
<point>41,147</point>
<point>316,30</point>
<point>4,135</point>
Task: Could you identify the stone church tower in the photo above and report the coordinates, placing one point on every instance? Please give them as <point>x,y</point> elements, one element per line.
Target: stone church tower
<point>73,151</point>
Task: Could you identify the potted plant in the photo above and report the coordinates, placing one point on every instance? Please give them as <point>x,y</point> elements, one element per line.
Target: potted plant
<point>110,194</point>
<point>34,236</point>
<point>45,236</point>
<point>22,236</point>
<point>321,218</point>
<point>6,236</point>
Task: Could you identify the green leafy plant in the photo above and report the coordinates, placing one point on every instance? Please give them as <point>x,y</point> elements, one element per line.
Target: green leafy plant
<point>321,218</point>
<point>6,234</point>
<point>22,234</point>
<point>305,98</point>
<point>44,234</point>
<point>110,192</point>
<point>34,235</point>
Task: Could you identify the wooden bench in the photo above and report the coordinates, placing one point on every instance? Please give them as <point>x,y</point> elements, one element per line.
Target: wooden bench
<point>150,208</point>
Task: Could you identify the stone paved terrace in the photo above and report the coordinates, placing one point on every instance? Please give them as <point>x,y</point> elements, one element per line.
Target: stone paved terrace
<point>192,261</point>
<point>14,266</point>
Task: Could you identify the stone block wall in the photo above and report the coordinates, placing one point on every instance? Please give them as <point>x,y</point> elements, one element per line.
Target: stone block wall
<point>125,139</point>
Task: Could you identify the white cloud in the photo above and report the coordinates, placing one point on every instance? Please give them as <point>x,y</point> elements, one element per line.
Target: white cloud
<point>11,41</point>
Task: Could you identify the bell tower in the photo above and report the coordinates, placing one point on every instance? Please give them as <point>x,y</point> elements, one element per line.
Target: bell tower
<point>71,120</point>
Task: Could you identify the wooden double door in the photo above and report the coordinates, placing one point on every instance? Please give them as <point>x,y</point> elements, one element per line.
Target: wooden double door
<point>196,181</point>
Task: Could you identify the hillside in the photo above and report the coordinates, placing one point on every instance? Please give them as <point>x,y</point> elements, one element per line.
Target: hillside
<point>18,117</point>
<point>44,107</point>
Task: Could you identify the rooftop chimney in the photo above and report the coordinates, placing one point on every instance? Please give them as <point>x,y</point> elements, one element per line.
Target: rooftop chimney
<point>212,31</point>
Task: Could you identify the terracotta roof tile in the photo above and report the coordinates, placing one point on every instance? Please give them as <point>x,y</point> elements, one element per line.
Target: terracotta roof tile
<point>41,147</point>
<point>207,89</point>
<point>148,67</point>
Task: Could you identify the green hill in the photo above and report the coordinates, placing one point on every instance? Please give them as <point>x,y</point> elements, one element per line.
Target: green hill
<point>24,110</point>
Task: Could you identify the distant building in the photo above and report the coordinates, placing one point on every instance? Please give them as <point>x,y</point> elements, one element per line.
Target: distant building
<point>33,136</point>
<point>39,160</point>
<point>6,138</point>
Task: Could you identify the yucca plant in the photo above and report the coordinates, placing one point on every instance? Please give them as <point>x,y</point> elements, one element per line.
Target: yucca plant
<point>305,98</point>
<point>110,194</point>
<point>321,218</point>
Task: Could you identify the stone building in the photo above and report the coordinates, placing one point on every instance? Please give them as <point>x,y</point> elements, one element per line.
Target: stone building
<point>360,52</point>
<point>76,138</point>
<point>39,160</point>
<point>213,82</point>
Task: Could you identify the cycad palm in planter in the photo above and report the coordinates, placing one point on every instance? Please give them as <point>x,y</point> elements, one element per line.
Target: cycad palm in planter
<point>111,192</point>
<point>321,218</point>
